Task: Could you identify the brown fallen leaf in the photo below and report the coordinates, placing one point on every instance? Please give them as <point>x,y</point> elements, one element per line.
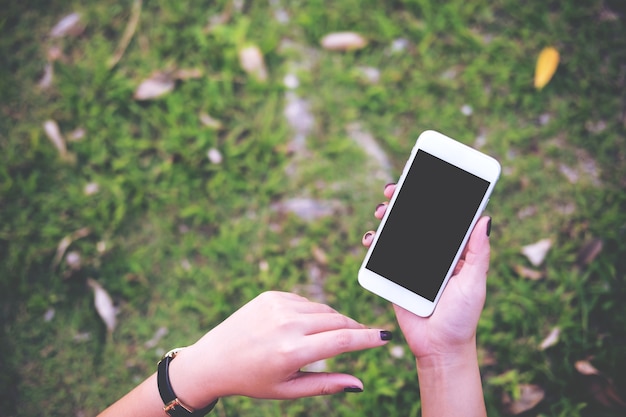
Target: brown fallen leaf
<point>187,74</point>
<point>66,242</point>
<point>46,79</point>
<point>91,188</point>
<point>589,252</point>
<point>343,41</point>
<point>547,62</point>
<point>586,368</point>
<point>215,156</point>
<point>528,273</point>
<point>550,340</point>
<point>155,86</point>
<point>68,25</point>
<point>209,121</point>
<point>131,27</point>
<point>104,305</point>
<point>53,133</point>
<point>73,260</point>
<point>600,387</point>
<point>252,61</point>
<point>529,397</point>
<point>536,252</point>
<point>320,255</point>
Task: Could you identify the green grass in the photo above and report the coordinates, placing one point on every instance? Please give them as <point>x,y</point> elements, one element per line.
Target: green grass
<point>187,242</point>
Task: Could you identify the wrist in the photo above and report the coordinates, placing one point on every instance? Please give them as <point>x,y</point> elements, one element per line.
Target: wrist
<point>188,382</point>
<point>450,358</point>
<point>450,383</point>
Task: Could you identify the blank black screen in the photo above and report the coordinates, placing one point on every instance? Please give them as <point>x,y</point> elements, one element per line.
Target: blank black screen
<point>427,224</point>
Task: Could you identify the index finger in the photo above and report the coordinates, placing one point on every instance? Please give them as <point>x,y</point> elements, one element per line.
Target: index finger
<point>335,342</point>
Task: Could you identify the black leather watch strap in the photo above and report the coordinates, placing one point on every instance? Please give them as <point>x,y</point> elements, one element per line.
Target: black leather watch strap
<point>172,405</point>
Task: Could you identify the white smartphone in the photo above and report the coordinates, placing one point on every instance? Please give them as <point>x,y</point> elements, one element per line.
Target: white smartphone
<point>441,194</point>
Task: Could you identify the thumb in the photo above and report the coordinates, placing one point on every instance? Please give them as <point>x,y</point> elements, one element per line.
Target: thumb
<point>309,384</point>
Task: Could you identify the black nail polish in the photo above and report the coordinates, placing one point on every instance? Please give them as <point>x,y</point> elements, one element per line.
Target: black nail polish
<point>386,335</point>
<point>352,389</point>
<point>489,227</point>
<point>379,206</point>
<point>367,235</point>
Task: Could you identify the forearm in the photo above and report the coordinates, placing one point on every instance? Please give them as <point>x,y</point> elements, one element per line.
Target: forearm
<point>142,401</point>
<point>451,385</point>
<point>145,400</point>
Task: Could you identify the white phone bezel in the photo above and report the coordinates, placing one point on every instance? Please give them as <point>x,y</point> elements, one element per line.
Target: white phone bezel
<point>455,153</point>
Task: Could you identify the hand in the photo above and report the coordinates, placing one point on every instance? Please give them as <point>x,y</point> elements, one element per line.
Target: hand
<point>259,350</point>
<point>452,326</point>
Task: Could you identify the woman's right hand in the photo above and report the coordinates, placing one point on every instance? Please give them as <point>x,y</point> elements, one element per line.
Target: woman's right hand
<point>259,351</point>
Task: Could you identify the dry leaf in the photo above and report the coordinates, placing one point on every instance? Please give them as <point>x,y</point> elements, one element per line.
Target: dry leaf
<point>66,242</point>
<point>73,260</point>
<point>528,273</point>
<point>252,62</point>
<point>320,255</point>
<point>343,41</point>
<point>529,396</point>
<point>158,335</point>
<point>536,252</point>
<point>48,75</point>
<point>77,135</point>
<point>264,266</point>
<point>68,25</point>
<point>158,84</point>
<point>53,133</point>
<point>210,122</point>
<point>547,62</point>
<point>600,387</point>
<point>54,53</point>
<point>396,351</point>
<point>215,156</point>
<point>131,27</point>
<point>104,304</point>
<point>586,368</point>
<point>49,315</point>
<point>101,247</point>
<point>550,340</point>
<point>589,252</point>
<point>308,209</point>
<point>91,188</point>
<point>187,74</point>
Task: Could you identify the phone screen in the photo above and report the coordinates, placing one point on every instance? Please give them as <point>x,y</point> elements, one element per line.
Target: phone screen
<point>427,224</point>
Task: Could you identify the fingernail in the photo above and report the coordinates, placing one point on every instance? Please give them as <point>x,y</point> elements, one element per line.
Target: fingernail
<point>367,235</point>
<point>386,335</point>
<point>391,183</point>
<point>352,389</point>
<point>489,227</point>
<point>379,206</point>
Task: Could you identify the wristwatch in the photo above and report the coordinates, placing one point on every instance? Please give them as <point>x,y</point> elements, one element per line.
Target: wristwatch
<point>172,405</point>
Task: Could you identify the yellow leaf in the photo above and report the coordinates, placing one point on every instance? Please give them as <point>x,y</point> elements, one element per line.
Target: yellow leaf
<point>547,62</point>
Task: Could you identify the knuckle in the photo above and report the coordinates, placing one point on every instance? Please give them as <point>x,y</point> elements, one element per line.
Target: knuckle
<point>325,389</point>
<point>343,339</point>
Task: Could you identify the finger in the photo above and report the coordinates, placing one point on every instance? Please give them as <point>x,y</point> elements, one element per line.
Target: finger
<point>310,307</point>
<point>309,384</point>
<point>476,260</point>
<point>380,210</point>
<point>389,190</point>
<point>326,322</point>
<point>368,238</point>
<point>335,342</point>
